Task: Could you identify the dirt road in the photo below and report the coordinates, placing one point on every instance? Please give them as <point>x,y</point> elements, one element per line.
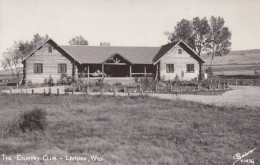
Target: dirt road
<point>239,96</point>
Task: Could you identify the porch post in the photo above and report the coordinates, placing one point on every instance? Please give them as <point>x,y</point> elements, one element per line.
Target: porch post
<point>102,70</point>
<point>130,69</point>
<point>156,72</point>
<point>73,70</point>
<point>88,71</point>
<point>145,71</point>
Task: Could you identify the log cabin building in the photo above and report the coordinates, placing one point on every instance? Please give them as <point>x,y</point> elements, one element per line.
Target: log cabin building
<point>82,61</point>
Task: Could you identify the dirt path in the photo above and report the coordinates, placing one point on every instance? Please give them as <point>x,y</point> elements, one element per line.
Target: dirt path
<point>239,96</point>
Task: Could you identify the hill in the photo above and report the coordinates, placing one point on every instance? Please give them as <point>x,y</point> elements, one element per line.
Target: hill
<point>235,57</point>
<point>243,62</point>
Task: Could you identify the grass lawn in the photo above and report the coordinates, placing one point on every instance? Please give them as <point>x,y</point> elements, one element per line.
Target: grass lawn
<point>131,130</point>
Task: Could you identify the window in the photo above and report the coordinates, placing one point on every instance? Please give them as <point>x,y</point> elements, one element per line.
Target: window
<point>50,49</point>
<point>190,67</point>
<point>179,51</point>
<point>38,68</point>
<point>62,68</point>
<point>169,68</point>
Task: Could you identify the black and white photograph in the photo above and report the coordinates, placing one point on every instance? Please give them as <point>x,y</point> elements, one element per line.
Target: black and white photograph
<point>129,82</point>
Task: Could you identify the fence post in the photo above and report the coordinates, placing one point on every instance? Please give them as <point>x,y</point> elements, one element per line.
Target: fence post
<point>10,90</point>
<point>171,88</point>
<point>44,93</point>
<point>21,90</point>
<point>124,89</point>
<point>49,90</point>
<point>218,86</point>
<point>32,91</point>
<point>87,91</point>
<point>58,91</point>
<point>17,86</point>
<point>73,90</point>
<point>156,88</point>
<point>252,83</point>
<point>114,91</point>
<point>128,92</point>
<point>101,92</point>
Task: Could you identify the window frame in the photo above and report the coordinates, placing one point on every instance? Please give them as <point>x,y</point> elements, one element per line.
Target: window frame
<point>190,69</point>
<point>36,68</point>
<point>180,51</point>
<point>49,49</point>
<point>60,68</point>
<point>168,68</point>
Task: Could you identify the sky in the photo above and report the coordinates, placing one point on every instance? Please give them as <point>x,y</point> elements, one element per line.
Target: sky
<point>123,22</point>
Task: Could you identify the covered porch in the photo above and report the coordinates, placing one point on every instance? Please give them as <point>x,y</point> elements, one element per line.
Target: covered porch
<point>116,66</point>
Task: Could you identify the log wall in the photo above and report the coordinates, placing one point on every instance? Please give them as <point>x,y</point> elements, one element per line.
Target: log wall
<point>50,63</point>
<point>179,61</point>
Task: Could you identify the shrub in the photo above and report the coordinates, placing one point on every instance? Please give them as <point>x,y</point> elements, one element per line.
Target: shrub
<point>33,120</point>
<point>65,79</point>
<point>209,72</point>
<point>50,81</point>
<point>99,83</point>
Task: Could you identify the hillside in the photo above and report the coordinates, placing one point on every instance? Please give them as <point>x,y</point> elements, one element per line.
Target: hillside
<point>235,57</point>
<point>243,62</point>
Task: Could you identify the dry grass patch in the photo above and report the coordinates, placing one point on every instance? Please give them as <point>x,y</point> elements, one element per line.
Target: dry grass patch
<point>136,130</point>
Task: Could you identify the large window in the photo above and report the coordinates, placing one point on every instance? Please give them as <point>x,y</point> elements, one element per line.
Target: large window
<point>169,68</point>
<point>190,67</point>
<point>62,68</point>
<point>38,68</point>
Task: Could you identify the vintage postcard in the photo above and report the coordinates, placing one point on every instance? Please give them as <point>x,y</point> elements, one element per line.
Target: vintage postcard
<point>129,82</point>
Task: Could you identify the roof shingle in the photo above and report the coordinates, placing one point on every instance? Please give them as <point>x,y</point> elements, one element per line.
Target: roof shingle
<point>98,54</point>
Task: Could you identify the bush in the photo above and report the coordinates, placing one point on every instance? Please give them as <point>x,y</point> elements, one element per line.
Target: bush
<point>65,80</point>
<point>50,81</point>
<point>33,120</point>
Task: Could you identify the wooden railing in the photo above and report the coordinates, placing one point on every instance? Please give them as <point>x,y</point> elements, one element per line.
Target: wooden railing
<point>86,75</point>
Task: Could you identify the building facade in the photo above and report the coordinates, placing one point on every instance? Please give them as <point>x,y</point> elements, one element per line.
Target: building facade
<point>168,62</point>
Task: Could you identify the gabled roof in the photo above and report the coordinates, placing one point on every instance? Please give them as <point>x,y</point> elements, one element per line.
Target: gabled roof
<point>166,48</point>
<point>98,54</point>
<point>84,54</point>
<point>52,42</point>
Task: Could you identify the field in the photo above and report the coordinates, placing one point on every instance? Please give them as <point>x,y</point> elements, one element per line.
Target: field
<point>131,130</point>
<point>235,69</point>
<point>244,62</point>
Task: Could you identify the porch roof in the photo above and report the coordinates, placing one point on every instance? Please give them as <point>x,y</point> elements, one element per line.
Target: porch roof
<point>98,54</point>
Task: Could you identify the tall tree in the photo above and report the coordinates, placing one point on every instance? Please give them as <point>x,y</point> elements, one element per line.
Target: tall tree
<point>201,29</point>
<point>218,42</point>
<point>78,40</point>
<point>182,31</point>
<point>202,36</point>
<point>14,55</point>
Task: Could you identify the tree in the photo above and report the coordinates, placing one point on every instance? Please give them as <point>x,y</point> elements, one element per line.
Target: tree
<point>201,30</point>
<point>218,42</point>
<point>78,40</point>
<point>213,38</point>
<point>14,55</point>
<point>182,31</point>
<point>26,47</point>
